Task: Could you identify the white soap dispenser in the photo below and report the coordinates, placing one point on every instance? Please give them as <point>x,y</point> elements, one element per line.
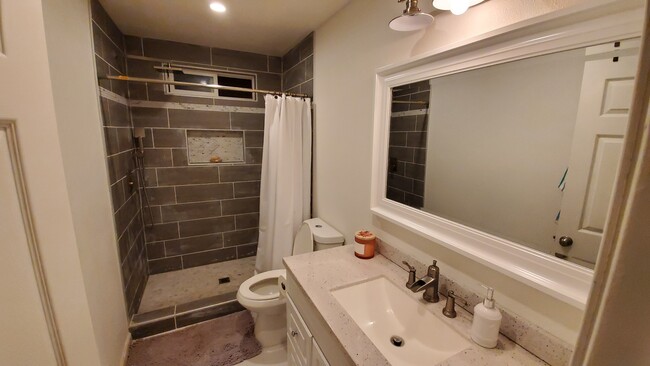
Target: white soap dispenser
<point>486,322</point>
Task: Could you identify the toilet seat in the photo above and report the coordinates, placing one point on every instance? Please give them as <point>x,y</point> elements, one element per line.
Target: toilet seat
<point>248,293</point>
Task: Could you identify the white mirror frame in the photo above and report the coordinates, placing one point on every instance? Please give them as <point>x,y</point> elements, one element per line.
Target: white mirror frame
<point>594,23</point>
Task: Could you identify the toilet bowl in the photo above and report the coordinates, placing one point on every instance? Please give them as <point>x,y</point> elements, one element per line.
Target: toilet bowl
<point>261,293</point>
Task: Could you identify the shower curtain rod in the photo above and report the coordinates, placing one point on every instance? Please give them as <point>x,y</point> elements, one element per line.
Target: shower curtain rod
<point>209,86</point>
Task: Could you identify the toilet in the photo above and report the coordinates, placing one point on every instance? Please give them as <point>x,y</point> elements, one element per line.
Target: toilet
<point>261,293</point>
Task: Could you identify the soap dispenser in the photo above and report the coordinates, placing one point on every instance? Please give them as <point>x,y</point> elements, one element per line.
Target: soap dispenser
<point>486,322</point>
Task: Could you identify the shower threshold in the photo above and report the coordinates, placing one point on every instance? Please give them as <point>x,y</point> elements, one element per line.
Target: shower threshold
<point>177,299</point>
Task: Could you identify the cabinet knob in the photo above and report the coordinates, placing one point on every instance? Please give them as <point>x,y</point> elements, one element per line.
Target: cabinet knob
<point>294,333</point>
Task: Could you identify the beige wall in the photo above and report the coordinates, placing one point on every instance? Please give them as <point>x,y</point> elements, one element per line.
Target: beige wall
<point>348,50</point>
<point>71,61</point>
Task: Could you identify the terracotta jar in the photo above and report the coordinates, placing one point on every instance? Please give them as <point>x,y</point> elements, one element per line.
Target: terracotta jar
<point>364,244</point>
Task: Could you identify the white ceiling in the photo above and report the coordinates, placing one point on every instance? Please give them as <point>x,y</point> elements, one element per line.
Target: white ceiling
<point>269,27</point>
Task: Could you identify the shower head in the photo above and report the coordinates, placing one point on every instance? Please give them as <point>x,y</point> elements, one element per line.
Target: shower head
<point>411,19</point>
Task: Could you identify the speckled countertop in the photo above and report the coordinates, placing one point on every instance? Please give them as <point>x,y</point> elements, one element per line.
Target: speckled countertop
<point>319,272</point>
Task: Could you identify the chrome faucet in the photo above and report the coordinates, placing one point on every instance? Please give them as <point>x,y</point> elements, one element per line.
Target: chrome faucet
<point>428,283</point>
<point>411,279</point>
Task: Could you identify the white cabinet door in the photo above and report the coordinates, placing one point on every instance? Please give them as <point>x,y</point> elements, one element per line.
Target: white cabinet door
<point>602,119</point>
<point>317,356</point>
<point>298,336</point>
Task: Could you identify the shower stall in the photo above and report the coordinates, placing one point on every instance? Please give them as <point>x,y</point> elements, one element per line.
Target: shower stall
<point>184,161</point>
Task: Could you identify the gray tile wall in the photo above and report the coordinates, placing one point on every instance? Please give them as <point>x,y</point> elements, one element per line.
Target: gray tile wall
<point>298,68</point>
<point>202,213</point>
<point>407,150</point>
<point>110,60</point>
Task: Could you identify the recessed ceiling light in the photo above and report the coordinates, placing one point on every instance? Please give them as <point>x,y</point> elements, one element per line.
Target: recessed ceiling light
<point>218,7</point>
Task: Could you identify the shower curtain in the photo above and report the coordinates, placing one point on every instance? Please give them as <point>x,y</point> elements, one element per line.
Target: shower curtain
<point>286,178</point>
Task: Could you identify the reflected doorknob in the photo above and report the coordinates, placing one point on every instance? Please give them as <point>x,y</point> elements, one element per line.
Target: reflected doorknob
<point>566,241</point>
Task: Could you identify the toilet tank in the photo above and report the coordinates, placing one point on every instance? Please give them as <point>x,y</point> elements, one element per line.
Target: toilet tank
<point>316,234</point>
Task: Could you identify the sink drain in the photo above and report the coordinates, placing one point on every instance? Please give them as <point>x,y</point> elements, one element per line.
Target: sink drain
<point>397,341</point>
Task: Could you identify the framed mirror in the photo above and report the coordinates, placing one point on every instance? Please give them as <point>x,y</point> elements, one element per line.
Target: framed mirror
<point>507,149</point>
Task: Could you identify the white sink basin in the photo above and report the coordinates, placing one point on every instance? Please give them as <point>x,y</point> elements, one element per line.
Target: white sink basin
<point>382,310</point>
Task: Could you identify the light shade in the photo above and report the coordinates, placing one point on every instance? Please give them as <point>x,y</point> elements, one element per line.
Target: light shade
<point>218,7</point>
<point>455,6</point>
<point>407,23</point>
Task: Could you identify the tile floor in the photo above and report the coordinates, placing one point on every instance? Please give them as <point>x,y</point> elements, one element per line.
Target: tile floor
<point>180,287</point>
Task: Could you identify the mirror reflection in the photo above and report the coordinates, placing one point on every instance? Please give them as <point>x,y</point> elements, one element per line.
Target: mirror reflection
<point>526,150</point>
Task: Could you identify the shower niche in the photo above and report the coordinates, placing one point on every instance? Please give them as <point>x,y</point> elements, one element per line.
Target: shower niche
<point>212,147</point>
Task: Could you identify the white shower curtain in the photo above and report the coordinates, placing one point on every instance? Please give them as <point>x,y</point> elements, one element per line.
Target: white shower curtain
<point>286,178</point>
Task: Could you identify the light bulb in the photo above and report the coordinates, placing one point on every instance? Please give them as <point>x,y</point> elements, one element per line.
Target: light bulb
<point>458,7</point>
<point>218,7</point>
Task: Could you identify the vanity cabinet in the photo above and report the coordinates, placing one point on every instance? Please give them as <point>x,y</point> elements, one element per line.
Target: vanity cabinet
<point>302,348</point>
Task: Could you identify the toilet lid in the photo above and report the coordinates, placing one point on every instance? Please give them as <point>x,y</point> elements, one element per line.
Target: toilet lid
<point>263,286</point>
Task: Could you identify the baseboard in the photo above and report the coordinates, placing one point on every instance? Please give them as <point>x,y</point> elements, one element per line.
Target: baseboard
<point>125,350</point>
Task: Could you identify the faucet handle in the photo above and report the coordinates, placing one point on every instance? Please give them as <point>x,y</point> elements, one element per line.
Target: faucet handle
<point>449,310</point>
<point>411,268</point>
<point>411,279</point>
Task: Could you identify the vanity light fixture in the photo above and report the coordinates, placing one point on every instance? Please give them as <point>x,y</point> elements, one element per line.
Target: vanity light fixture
<point>457,7</point>
<point>411,19</point>
<point>218,7</point>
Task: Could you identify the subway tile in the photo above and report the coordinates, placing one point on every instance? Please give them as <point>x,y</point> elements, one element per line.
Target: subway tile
<point>397,139</point>
<point>247,250</point>
<point>179,157</point>
<point>236,173</point>
<point>185,118</point>
<point>254,155</point>
<point>106,116</point>
<point>290,59</point>
<point>294,76</point>
<point>418,187</point>
<point>169,50</point>
<point>150,178</point>
<point>238,59</point>
<point>395,194</point>
<point>157,158</point>
<point>401,153</point>
<point>105,22</point>
<point>168,137</point>
<point>137,91</point>
<point>156,250</point>
<point>208,257</point>
<point>119,87</point>
<point>161,195</point>
<point>420,156</point>
<point>102,70</point>
<point>254,138</point>
<point>152,328</point>
<point>415,171</point>
<point>413,200</point>
<point>165,265</point>
<point>117,196</point>
<point>400,182</point>
<point>307,88</point>
<point>421,123</point>
<point>268,81</point>
<point>204,192</point>
<point>112,54</point>
<point>190,211</point>
<point>206,226</point>
<point>193,244</point>
<point>133,45</point>
<point>247,221</point>
<point>405,123</point>
<point>120,165</point>
<point>112,144</point>
<point>416,139</point>
<point>161,232</point>
<point>149,117</point>
<point>240,205</point>
<point>202,315</point>
<point>247,121</point>
<point>189,175</point>
<point>124,245</point>
<point>247,189</point>
<point>148,137</point>
<point>233,238</point>
<point>119,114</point>
<point>309,68</point>
<point>275,64</point>
<point>306,46</point>
<point>206,302</point>
<point>143,68</point>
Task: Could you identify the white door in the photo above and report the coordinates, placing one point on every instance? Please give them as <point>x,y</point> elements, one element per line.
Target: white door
<point>28,334</point>
<point>605,99</point>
